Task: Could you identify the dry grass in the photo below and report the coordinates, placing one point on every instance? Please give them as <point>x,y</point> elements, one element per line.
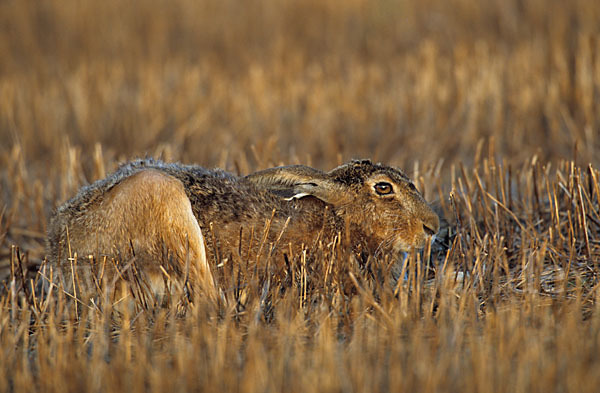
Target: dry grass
<point>492,107</point>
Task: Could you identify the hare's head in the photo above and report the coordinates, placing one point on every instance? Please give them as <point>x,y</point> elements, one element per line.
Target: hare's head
<point>379,204</point>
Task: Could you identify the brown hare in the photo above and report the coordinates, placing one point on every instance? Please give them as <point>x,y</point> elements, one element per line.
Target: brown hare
<point>150,211</point>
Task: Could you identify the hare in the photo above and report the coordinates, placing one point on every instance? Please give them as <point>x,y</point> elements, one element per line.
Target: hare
<point>155,212</point>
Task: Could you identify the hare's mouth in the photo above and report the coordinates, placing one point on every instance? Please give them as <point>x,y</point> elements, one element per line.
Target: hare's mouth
<point>430,233</point>
<point>418,242</point>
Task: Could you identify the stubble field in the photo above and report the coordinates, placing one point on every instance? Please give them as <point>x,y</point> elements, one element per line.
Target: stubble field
<point>493,108</point>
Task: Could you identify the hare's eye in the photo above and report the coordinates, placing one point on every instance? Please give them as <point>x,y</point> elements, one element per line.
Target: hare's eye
<point>383,188</point>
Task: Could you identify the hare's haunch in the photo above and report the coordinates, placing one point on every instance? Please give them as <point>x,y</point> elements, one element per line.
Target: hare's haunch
<point>192,217</point>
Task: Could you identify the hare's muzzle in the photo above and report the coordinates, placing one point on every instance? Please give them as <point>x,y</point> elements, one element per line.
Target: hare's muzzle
<point>431,225</point>
<point>425,227</point>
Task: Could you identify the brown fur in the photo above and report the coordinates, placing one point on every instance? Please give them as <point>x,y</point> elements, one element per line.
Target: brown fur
<point>201,216</point>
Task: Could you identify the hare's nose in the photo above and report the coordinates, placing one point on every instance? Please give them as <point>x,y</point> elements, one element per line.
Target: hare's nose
<point>428,230</point>
<point>431,226</point>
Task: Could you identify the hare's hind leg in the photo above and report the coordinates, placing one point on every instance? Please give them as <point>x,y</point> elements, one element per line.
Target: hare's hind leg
<point>153,213</point>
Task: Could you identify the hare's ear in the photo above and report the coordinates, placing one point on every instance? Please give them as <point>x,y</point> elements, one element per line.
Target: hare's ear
<point>297,181</point>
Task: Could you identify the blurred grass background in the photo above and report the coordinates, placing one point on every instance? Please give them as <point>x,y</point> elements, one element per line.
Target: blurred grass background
<point>399,81</point>
<point>493,102</point>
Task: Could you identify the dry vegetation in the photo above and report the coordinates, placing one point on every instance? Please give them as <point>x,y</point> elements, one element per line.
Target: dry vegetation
<point>492,107</point>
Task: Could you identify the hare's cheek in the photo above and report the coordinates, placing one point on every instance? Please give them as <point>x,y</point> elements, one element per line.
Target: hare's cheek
<point>415,236</point>
<point>403,245</point>
<point>404,240</point>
